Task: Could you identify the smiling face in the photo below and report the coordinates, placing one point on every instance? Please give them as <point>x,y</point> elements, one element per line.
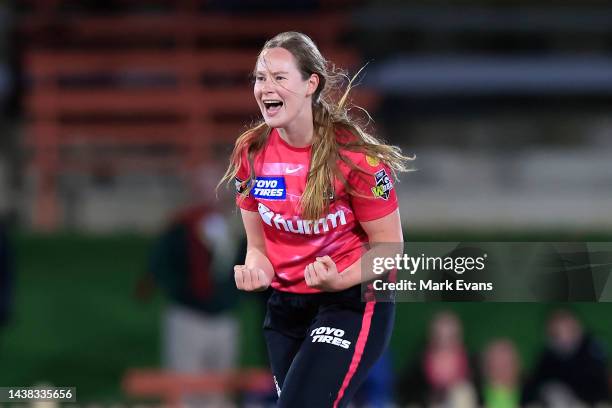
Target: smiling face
<point>283,95</point>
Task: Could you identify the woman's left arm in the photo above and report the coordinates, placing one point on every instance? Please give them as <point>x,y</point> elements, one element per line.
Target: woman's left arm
<point>323,274</point>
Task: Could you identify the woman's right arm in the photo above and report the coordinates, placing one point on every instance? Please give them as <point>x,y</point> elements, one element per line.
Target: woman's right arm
<point>257,272</point>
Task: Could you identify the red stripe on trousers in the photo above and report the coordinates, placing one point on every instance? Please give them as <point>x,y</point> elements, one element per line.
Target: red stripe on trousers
<point>359,347</point>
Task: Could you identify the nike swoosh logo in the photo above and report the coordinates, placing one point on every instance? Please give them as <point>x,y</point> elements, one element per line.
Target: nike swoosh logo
<point>290,171</point>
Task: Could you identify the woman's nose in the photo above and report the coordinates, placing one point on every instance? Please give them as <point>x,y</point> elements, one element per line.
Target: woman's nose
<point>266,86</point>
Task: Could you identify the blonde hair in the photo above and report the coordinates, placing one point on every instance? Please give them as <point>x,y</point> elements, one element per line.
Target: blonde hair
<point>329,115</point>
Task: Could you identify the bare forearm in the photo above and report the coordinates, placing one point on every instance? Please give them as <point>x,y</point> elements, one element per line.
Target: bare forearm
<point>256,258</point>
<point>362,270</point>
<point>351,276</point>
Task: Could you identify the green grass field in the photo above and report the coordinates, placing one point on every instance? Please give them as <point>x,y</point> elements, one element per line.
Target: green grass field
<point>77,323</point>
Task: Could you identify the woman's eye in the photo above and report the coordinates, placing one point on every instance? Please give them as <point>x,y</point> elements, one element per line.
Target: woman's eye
<point>259,78</point>
<point>278,77</point>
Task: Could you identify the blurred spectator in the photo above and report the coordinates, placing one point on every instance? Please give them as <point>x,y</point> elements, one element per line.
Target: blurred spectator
<point>200,332</point>
<point>446,362</point>
<point>572,369</point>
<point>443,375</point>
<point>501,375</point>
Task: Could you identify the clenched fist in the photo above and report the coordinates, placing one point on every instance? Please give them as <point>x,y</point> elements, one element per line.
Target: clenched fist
<point>323,274</point>
<point>251,279</point>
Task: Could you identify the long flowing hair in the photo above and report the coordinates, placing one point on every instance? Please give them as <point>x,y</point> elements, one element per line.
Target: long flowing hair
<point>330,108</point>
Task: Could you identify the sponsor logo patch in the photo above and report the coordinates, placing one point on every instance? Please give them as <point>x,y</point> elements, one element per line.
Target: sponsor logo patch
<point>330,335</point>
<point>383,186</point>
<point>269,188</point>
<point>299,226</point>
<point>294,170</point>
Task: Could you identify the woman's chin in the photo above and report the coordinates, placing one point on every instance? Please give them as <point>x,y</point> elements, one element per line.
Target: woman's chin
<point>274,122</point>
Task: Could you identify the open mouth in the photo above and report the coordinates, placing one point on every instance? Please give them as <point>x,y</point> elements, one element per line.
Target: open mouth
<point>272,106</point>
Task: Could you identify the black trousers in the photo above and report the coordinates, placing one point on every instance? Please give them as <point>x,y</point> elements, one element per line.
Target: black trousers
<point>321,346</point>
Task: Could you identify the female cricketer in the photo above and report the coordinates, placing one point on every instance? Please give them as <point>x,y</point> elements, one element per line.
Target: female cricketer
<point>313,188</point>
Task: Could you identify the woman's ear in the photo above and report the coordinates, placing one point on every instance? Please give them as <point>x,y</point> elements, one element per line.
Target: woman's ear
<point>313,84</point>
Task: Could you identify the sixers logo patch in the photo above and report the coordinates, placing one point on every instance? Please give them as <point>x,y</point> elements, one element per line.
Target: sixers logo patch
<point>383,185</point>
<point>269,188</point>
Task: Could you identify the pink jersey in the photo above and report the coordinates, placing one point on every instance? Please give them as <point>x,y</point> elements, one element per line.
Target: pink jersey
<point>292,242</point>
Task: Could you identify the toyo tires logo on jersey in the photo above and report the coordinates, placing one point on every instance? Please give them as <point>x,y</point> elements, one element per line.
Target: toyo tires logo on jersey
<point>298,226</point>
<point>269,188</point>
